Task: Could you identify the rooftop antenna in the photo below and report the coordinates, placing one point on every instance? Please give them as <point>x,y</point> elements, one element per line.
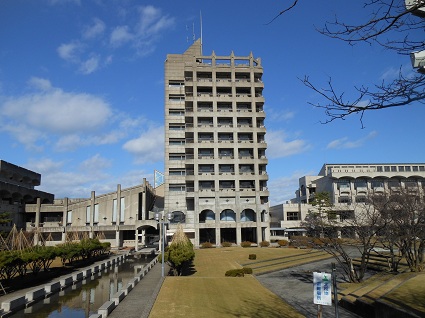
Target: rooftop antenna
<point>193,31</point>
<point>200,18</point>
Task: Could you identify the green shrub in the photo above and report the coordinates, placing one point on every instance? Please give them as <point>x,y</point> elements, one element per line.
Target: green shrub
<point>283,243</point>
<point>246,244</point>
<point>239,272</point>
<point>207,245</point>
<point>252,256</point>
<point>247,270</point>
<point>264,243</point>
<point>226,244</point>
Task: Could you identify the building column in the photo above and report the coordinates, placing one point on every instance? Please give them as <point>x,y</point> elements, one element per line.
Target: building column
<point>217,236</point>
<point>37,220</point>
<point>143,205</point>
<point>91,234</point>
<point>117,233</point>
<point>136,240</point>
<point>64,219</point>
<point>260,234</point>
<point>238,234</point>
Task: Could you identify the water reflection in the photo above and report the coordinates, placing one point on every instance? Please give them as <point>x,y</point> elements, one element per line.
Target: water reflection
<point>84,298</point>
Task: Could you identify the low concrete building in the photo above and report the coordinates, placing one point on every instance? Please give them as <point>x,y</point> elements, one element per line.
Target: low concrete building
<point>17,188</point>
<point>125,218</point>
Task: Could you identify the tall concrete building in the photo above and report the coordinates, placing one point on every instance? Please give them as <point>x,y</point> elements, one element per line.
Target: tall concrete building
<point>215,149</point>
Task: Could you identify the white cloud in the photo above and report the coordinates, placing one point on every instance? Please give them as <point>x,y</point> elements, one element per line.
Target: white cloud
<point>120,35</point>
<point>279,115</point>
<point>90,65</point>
<point>148,147</point>
<point>53,112</point>
<point>345,143</point>
<point>278,147</point>
<point>94,30</point>
<point>70,51</point>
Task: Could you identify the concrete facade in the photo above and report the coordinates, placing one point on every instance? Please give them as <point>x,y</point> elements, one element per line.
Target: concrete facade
<point>17,188</point>
<point>123,218</point>
<point>348,186</point>
<point>215,160</point>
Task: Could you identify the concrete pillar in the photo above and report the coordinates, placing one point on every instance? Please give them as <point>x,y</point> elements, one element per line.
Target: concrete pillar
<point>217,236</point>
<point>259,234</point>
<point>93,196</point>
<point>143,237</point>
<point>117,233</point>
<point>238,234</point>
<point>64,218</point>
<point>136,240</point>
<point>143,205</point>
<point>37,220</point>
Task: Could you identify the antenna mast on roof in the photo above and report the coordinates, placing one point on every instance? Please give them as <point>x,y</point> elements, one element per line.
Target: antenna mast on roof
<point>200,18</point>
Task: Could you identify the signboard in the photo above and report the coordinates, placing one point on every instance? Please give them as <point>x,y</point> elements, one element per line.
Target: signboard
<point>322,288</point>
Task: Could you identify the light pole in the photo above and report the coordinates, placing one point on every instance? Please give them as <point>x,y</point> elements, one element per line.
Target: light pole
<point>159,217</point>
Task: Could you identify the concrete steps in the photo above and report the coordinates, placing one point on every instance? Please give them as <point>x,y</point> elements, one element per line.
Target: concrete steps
<point>365,299</point>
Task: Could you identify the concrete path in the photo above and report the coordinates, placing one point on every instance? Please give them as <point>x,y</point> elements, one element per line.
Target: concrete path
<point>139,301</point>
<point>295,286</point>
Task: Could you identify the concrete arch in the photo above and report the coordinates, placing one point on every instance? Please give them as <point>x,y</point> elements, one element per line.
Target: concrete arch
<point>206,215</point>
<point>248,215</point>
<point>228,215</point>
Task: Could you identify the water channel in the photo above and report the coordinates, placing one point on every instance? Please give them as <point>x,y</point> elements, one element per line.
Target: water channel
<point>84,298</point>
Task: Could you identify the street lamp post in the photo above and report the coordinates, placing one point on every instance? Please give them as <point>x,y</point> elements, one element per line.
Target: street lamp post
<point>159,217</point>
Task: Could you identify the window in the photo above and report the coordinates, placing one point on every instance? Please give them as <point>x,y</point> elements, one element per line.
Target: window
<point>177,172</point>
<point>176,157</point>
<point>176,112</point>
<point>96,214</point>
<point>343,184</point>
<point>293,216</point>
<point>421,168</point>
<point>401,168</point>
<point>361,199</point>
<point>393,168</point>
<point>175,98</point>
<point>176,127</point>
<point>177,142</point>
<point>407,168</point>
<point>387,169</point>
<point>415,168</point>
<point>379,169</point>
<point>177,187</point>
<point>175,84</point>
<point>114,211</point>
<point>69,217</point>
<point>346,215</point>
<point>122,214</point>
<point>88,214</point>
<point>377,184</point>
<point>344,200</point>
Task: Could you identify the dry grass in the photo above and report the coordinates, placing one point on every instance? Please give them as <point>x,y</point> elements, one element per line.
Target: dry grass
<point>208,293</point>
<point>410,294</point>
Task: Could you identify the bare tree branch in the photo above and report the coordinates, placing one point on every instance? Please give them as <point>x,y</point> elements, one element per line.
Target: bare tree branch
<point>387,17</point>
<point>283,11</point>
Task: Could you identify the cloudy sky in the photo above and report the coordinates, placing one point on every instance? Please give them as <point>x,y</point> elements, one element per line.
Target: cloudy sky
<point>81,87</point>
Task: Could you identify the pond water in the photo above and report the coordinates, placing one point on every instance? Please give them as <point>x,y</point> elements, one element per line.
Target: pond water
<point>84,298</point>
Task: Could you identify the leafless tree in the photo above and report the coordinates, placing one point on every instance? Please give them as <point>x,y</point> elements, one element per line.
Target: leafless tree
<point>341,230</point>
<point>390,25</point>
<point>404,211</point>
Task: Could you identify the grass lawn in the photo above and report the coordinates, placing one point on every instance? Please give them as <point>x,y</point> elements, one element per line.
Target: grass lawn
<point>410,294</point>
<point>208,293</point>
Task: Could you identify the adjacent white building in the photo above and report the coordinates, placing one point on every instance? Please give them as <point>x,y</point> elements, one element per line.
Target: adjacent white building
<point>348,186</point>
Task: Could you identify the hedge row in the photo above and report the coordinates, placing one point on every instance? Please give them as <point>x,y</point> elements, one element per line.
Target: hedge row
<point>18,262</point>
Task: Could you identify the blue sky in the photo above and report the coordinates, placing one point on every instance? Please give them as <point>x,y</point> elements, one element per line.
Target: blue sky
<point>81,87</point>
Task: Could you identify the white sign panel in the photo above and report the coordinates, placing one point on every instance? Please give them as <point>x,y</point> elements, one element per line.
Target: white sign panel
<point>322,288</point>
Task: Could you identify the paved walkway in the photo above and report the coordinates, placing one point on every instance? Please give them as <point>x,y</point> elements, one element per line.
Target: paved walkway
<point>139,301</point>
